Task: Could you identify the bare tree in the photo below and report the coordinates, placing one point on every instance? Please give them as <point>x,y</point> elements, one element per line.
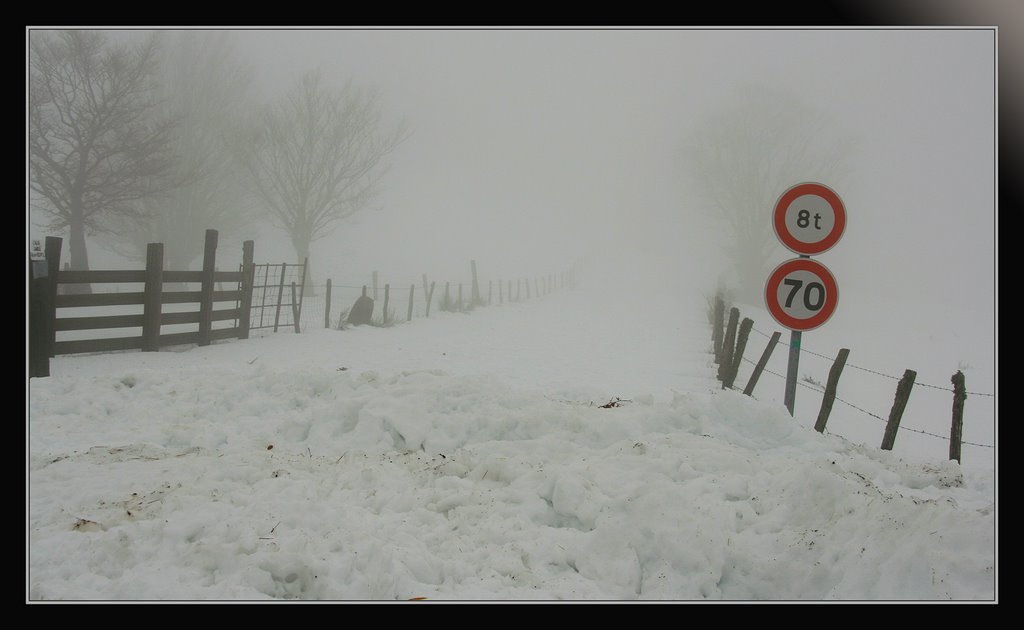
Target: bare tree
<point>205,88</point>
<point>316,157</point>
<point>741,158</point>
<point>96,146</point>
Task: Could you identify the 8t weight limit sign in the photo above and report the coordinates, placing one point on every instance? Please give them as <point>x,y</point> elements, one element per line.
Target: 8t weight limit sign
<point>809,218</point>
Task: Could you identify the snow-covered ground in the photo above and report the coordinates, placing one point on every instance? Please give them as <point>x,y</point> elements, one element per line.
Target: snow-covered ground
<point>469,457</point>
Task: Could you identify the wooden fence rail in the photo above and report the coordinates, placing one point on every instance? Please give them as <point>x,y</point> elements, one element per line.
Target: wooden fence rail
<point>151,298</point>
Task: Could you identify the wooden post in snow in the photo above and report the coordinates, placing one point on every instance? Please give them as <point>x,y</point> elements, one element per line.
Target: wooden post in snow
<point>956,432</point>
<point>899,404</point>
<point>830,389</point>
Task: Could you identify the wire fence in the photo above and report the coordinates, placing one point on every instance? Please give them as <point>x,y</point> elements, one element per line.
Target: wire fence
<point>729,367</point>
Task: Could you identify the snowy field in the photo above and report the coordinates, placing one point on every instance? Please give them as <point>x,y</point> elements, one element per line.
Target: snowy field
<point>468,457</point>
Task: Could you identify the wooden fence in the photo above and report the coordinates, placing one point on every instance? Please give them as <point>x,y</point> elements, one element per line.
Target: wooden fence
<point>152,298</point>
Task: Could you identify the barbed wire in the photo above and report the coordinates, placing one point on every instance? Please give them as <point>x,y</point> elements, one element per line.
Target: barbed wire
<point>857,367</point>
<point>862,410</point>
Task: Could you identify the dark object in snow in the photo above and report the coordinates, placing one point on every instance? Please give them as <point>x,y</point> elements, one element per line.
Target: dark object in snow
<point>615,402</point>
<point>362,311</point>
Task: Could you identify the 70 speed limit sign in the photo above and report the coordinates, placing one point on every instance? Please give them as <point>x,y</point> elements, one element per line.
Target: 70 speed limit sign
<point>801,294</point>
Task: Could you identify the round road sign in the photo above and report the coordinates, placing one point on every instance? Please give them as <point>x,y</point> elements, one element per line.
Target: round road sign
<point>809,218</point>
<point>801,294</point>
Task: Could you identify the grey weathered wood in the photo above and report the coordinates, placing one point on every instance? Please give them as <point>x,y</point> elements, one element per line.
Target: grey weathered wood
<point>280,295</point>
<point>412,289</point>
<point>761,363</point>
<point>245,290</point>
<point>728,344</point>
<point>327,306</point>
<point>475,288</point>
<point>387,298</point>
<point>430,297</point>
<point>716,327</point>
<point>296,309</point>
<point>51,249</point>
<point>101,275</point>
<point>154,291</point>
<point>741,345</point>
<point>100,299</point>
<point>100,322</point>
<point>109,344</point>
<point>206,303</point>
<point>830,389</point>
<point>956,431</point>
<point>899,404</point>
<point>187,317</point>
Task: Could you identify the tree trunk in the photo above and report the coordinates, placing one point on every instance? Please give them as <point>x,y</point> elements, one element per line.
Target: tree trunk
<point>77,252</point>
<point>302,254</point>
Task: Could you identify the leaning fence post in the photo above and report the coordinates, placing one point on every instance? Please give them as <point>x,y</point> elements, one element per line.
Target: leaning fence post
<point>741,345</point>
<point>151,304</point>
<point>956,432</point>
<point>206,294</point>
<point>830,389</point>
<point>387,298</point>
<point>763,361</point>
<point>728,345</point>
<point>412,288</point>
<point>430,297</point>
<point>716,327</point>
<point>280,292</point>
<point>902,396</point>
<point>296,309</point>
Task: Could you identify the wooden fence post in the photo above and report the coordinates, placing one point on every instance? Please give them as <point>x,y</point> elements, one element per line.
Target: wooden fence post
<point>728,344</point>
<point>716,327</point>
<point>741,345</point>
<point>830,389</point>
<point>206,293</point>
<point>51,249</point>
<point>302,288</point>
<point>151,301</point>
<point>248,279</point>
<point>430,297</point>
<point>387,298</point>
<point>902,395</point>
<point>296,309</point>
<point>280,293</point>
<point>327,306</point>
<point>374,286</point>
<point>475,288</point>
<point>956,432</point>
<point>412,288</point>
<point>763,361</point>
<point>364,290</point>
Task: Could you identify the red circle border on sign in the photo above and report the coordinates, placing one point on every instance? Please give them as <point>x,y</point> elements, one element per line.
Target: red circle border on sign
<point>779,219</point>
<point>771,291</point>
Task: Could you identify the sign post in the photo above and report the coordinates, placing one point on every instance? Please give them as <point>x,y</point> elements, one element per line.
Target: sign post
<point>801,294</point>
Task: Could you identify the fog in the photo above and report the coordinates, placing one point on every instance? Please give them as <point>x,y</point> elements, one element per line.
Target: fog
<point>532,150</point>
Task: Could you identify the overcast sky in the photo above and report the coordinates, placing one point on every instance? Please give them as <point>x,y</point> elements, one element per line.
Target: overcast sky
<point>533,148</point>
<point>530,148</point>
